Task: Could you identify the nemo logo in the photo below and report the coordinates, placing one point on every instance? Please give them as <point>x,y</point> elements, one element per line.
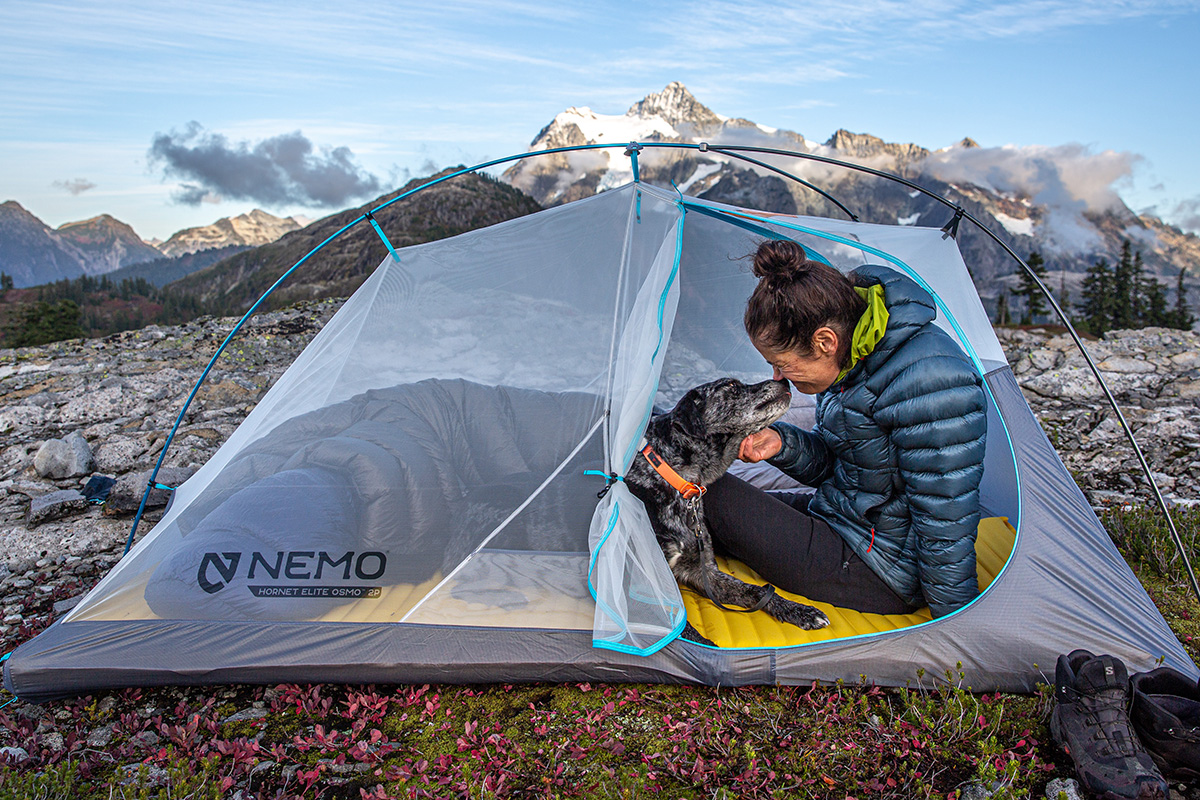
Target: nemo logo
<point>217,570</point>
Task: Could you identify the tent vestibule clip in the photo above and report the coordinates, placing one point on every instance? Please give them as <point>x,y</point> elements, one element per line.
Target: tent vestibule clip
<point>609,479</point>
<point>371,219</point>
<point>950,229</point>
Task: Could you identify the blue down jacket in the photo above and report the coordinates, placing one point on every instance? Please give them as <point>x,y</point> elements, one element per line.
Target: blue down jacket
<point>897,453</point>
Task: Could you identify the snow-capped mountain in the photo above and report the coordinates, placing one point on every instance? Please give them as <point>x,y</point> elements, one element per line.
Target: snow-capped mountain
<point>1057,200</point>
<point>249,230</point>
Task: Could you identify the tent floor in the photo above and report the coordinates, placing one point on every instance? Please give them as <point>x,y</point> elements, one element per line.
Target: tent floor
<point>993,546</point>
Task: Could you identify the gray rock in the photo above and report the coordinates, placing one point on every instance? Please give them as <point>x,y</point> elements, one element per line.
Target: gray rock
<point>54,505</point>
<point>54,741</point>
<point>19,566</point>
<point>14,755</point>
<point>100,737</point>
<point>1063,789</point>
<point>146,739</point>
<point>118,454</point>
<point>21,418</point>
<point>245,714</point>
<point>126,494</point>
<point>64,458</point>
<point>143,775</point>
<point>63,606</point>
<point>44,399</point>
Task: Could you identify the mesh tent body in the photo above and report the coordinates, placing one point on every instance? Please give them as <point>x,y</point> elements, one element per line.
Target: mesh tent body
<point>414,500</point>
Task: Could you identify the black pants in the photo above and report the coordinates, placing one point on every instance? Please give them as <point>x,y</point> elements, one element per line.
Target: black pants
<point>774,535</point>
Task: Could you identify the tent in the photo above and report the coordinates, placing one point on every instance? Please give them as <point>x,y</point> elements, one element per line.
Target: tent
<point>415,500</point>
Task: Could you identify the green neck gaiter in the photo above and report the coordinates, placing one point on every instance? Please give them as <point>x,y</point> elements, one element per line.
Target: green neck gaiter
<point>871,327</point>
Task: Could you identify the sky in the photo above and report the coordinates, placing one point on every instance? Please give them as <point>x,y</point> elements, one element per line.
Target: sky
<point>169,116</point>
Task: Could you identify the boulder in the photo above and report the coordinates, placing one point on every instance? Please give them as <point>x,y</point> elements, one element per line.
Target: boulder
<point>64,458</point>
<point>118,454</point>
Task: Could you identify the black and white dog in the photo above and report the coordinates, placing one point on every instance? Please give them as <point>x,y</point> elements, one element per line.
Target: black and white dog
<point>697,441</point>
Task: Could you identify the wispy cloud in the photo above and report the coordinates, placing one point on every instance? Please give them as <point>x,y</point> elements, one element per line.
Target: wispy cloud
<point>75,186</point>
<point>1186,214</point>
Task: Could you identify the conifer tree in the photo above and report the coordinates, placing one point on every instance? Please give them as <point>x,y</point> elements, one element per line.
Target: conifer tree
<point>1097,306</point>
<point>1035,303</point>
<point>1154,304</point>
<point>1002,314</point>
<point>1124,290</point>
<point>1181,316</point>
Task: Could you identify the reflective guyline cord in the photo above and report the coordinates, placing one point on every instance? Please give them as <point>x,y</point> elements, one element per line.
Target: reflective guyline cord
<point>734,151</point>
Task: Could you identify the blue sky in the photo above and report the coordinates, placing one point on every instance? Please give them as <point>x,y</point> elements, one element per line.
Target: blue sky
<point>86,87</point>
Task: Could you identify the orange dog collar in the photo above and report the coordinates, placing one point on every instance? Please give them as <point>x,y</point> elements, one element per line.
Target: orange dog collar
<point>685,488</point>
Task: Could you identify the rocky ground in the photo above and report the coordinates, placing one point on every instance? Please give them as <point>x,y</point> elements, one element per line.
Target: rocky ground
<point>1155,376</point>
<point>75,410</point>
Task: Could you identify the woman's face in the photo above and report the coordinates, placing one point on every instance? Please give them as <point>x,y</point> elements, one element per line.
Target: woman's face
<point>811,373</point>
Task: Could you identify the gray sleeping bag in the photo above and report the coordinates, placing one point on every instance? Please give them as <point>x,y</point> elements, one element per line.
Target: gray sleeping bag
<point>393,486</point>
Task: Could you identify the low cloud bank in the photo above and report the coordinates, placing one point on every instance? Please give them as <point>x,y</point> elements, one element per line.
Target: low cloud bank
<point>1067,177</point>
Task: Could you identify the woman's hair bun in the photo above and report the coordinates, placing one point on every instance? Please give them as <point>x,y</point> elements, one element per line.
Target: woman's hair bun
<point>780,259</point>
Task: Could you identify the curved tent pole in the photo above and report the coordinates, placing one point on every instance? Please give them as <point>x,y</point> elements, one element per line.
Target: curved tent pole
<point>960,211</point>
<point>726,152</point>
<point>151,484</point>
<point>730,150</point>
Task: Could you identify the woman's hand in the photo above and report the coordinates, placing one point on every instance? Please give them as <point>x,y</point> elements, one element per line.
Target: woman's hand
<point>760,446</point>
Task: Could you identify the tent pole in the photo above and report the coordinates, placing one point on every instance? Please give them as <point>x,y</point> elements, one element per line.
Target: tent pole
<point>1112,401</point>
<point>729,150</point>
<point>764,165</point>
<point>959,211</point>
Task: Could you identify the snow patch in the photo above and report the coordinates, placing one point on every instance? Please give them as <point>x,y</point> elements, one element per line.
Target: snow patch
<point>1015,225</point>
<point>767,129</point>
<point>914,193</point>
<point>615,128</point>
<point>908,220</point>
<point>702,172</point>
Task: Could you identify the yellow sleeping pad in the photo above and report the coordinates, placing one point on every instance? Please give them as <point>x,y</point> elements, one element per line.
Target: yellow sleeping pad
<point>993,545</point>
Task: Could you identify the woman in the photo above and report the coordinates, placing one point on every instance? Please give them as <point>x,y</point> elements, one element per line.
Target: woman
<point>896,455</point>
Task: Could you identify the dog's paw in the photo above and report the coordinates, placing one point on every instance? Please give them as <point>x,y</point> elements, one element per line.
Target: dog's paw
<point>693,635</point>
<point>798,614</point>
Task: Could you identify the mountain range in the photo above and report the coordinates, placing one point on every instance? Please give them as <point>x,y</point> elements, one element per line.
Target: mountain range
<point>31,252</point>
<point>1034,199</point>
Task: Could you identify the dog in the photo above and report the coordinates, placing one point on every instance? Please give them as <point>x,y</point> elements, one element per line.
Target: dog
<point>698,440</point>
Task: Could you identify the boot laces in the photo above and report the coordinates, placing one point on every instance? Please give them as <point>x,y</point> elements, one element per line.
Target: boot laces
<point>1107,709</point>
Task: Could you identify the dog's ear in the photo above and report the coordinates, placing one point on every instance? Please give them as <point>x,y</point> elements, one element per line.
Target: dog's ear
<point>688,417</point>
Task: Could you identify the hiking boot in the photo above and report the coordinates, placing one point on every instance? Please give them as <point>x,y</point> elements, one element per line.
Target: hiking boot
<point>1165,712</point>
<point>1091,722</point>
